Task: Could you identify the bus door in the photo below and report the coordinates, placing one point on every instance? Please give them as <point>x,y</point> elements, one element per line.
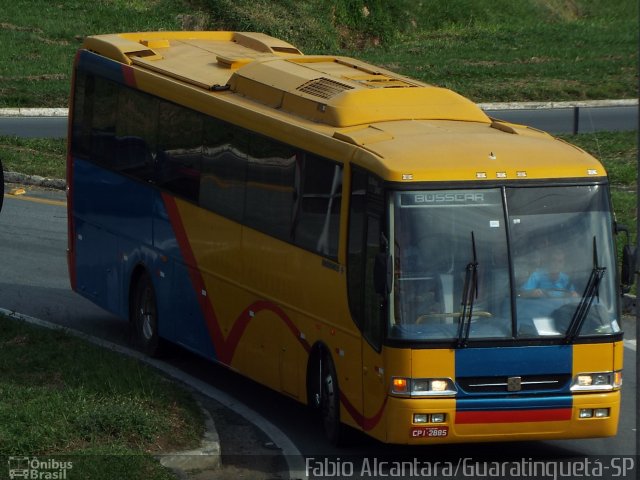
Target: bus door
<point>373,385</point>
<point>366,245</point>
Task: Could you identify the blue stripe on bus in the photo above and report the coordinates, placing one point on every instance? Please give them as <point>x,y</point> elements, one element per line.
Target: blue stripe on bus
<point>514,361</point>
<point>121,223</point>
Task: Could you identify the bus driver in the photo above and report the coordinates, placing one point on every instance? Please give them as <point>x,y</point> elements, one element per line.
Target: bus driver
<point>551,282</point>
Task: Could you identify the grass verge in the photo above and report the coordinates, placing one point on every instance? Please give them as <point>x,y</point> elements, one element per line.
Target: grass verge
<point>63,399</point>
<point>34,156</point>
<point>487,50</point>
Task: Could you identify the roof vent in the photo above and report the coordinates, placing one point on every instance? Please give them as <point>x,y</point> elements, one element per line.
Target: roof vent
<point>156,43</point>
<point>503,127</point>
<point>264,43</point>
<point>233,63</point>
<point>324,87</point>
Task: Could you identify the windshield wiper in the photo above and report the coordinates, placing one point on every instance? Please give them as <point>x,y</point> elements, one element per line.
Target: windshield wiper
<point>469,294</point>
<point>590,292</point>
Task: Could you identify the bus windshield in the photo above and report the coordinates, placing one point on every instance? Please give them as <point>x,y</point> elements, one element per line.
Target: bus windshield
<point>502,264</point>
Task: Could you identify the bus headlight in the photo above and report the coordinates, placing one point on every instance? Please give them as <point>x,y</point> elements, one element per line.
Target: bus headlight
<point>422,387</point>
<point>597,382</point>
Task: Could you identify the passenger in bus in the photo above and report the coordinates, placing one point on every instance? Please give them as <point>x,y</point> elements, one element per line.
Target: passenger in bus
<point>551,281</point>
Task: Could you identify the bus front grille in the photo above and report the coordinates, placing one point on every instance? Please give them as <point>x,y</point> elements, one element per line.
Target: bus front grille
<point>514,384</point>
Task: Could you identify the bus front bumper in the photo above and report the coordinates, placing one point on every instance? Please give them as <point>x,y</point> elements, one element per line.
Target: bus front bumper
<point>410,421</point>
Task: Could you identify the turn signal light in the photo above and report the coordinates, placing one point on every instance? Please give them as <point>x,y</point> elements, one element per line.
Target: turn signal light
<point>400,385</point>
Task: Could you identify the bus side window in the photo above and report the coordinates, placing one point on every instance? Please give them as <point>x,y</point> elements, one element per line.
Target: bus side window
<point>82,113</point>
<point>270,187</point>
<point>103,121</point>
<point>179,150</point>
<point>224,169</point>
<point>318,197</point>
<point>355,254</point>
<point>136,134</point>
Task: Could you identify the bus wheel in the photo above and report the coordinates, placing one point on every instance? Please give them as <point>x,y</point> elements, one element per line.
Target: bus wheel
<point>144,313</point>
<point>330,403</point>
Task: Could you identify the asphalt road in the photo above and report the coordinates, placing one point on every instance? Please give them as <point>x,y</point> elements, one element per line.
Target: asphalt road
<point>556,120</point>
<point>572,120</point>
<point>33,281</point>
<point>34,127</point>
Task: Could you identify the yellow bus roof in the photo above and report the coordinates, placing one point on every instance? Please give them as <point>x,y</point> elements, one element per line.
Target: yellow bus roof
<point>446,151</point>
<point>407,130</point>
<point>336,91</point>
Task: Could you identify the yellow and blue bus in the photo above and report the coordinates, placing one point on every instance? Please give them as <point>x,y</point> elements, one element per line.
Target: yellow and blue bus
<point>370,245</point>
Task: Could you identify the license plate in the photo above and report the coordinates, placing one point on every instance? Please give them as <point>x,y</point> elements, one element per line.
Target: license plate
<point>429,432</point>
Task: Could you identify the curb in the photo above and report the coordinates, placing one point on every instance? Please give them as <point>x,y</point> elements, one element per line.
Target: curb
<point>34,112</point>
<point>554,105</point>
<point>63,112</point>
<point>206,457</point>
<point>37,180</point>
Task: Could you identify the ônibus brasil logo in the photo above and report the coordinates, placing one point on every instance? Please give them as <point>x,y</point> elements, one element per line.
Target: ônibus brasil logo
<point>36,469</point>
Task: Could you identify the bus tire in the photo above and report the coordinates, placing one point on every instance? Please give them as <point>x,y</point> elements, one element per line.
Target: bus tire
<point>330,402</point>
<point>314,379</point>
<point>144,316</point>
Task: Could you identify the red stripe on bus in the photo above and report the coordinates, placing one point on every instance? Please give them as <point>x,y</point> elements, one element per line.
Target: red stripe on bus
<point>129,76</point>
<point>225,348</point>
<point>514,416</point>
<point>196,277</point>
<point>367,423</point>
<point>71,230</point>
<point>242,322</point>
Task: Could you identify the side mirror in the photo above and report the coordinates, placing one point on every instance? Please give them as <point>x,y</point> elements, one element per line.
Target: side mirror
<point>628,268</point>
<point>383,273</point>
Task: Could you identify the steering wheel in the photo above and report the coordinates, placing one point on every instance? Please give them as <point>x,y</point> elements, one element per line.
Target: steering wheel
<point>547,293</point>
<point>554,293</point>
<point>559,293</point>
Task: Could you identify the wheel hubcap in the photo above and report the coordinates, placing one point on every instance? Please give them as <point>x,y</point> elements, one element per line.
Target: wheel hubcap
<point>146,316</point>
<point>329,408</point>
